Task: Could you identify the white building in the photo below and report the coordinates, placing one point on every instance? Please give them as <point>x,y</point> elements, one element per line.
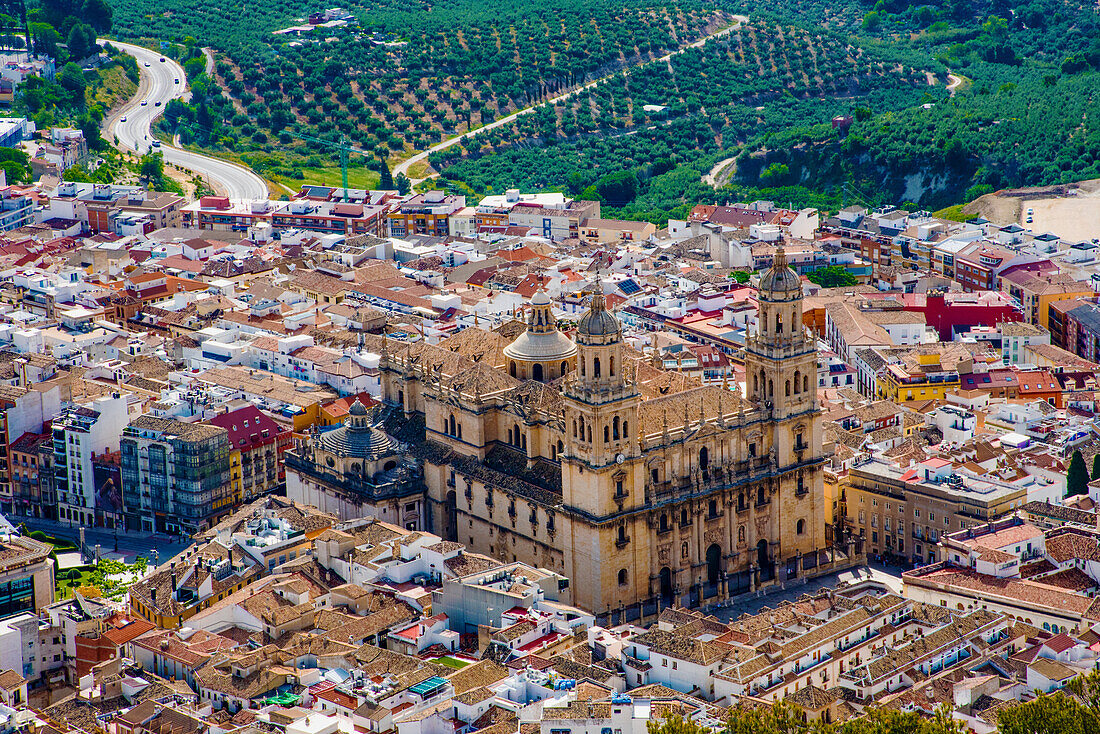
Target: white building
<point>81,433</point>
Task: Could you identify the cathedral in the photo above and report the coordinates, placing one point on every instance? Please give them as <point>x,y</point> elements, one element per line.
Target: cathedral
<point>578,455</point>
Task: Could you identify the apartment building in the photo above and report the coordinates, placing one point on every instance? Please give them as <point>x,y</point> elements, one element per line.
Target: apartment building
<point>903,511</point>
<point>256,445</point>
<point>80,434</point>
<point>428,214</point>
<point>175,475</point>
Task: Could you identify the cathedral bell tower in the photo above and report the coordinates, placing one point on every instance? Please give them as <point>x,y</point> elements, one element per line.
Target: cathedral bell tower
<point>780,361</point>
<point>601,419</point>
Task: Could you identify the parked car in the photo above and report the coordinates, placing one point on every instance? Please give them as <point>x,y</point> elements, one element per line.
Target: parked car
<point>122,119</point>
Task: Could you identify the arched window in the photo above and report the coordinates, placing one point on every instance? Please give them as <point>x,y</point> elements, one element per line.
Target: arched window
<point>654,474</point>
<point>805,383</point>
<point>797,382</point>
<point>516,433</point>
<point>622,533</point>
<point>453,430</point>
<point>741,534</point>
<point>606,434</point>
<point>536,373</point>
<point>615,428</point>
<point>684,517</point>
<point>755,384</point>
<point>622,577</point>
<point>741,501</point>
<point>561,448</point>
<point>703,458</point>
<point>460,430</point>
<point>712,509</point>
<point>759,495</point>
<point>564,367</point>
<point>778,324</point>
<point>596,367</point>
<point>800,526</point>
<point>626,429</point>
<point>663,524</point>
<point>683,550</point>
<point>771,389</point>
<point>590,434</point>
<point>512,369</point>
<point>582,368</point>
<point>574,428</point>
<point>611,366</point>
<point>788,393</point>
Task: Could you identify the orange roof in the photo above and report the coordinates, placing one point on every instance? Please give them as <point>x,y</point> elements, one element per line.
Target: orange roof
<point>132,629</point>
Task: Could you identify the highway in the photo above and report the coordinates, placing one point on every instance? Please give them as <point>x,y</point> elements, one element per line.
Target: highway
<point>158,84</point>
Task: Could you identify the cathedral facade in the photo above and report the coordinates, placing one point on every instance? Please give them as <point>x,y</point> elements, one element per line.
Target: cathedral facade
<point>579,456</point>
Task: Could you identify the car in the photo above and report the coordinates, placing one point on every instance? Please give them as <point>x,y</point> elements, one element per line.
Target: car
<point>156,143</point>
<point>146,64</point>
<point>162,59</point>
<point>177,81</point>
<point>1030,212</point>
<point>156,104</point>
<point>1029,220</point>
<point>144,102</point>
<point>122,119</point>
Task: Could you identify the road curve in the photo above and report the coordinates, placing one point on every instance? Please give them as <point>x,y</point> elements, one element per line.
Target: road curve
<point>158,84</point>
<point>404,166</point>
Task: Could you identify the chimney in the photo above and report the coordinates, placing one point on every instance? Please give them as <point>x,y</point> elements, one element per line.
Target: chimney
<point>153,595</point>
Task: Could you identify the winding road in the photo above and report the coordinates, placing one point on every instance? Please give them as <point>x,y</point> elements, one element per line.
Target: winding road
<point>132,125</point>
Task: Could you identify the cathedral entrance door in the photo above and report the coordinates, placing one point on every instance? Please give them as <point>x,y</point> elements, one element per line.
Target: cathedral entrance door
<point>666,586</point>
<point>767,569</point>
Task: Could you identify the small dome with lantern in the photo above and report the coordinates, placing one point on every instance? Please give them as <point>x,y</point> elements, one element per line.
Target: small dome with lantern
<point>542,352</point>
<point>780,283</point>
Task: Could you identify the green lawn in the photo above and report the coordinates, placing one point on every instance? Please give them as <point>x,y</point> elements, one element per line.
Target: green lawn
<point>359,177</point>
<point>451,662</point>
<point>58,543</point>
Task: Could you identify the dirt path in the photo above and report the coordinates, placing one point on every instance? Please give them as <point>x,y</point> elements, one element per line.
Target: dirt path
<point>954,81</point>
<point>719,175</point>
<point>403,167</point>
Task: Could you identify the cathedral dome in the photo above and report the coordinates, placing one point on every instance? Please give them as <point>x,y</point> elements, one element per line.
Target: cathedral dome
<point>597,320</point>
<point>780,283</point>
<point>542,341</point>
<point>357,438</point>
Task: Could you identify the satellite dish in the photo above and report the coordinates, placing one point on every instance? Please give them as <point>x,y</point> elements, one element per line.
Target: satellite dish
<point>620,459</point>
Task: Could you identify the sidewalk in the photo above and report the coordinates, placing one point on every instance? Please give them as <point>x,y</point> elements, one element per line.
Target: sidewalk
<point>130,544</point>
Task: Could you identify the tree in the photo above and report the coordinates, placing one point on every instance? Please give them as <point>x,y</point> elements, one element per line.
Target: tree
<point>386,178</point>
<point>13,172</point>
<point>833,276</point>
<point>72,79</point>
<point>82,41</point>
<point>151,168</point>
<point>404,186</point>
<point>1077,478</point>
<point>1096,466</point>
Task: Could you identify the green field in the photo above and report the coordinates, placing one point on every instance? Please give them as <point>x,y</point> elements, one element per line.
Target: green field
<point>358,178</point>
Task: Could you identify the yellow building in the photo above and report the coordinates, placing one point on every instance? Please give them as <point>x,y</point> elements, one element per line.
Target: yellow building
<point>1035,293</point>
<point>926,379</point>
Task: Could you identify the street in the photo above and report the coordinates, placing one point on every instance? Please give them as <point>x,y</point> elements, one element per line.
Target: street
<point>158,84</point>
<point>752,604</point>
<point>130,545</point>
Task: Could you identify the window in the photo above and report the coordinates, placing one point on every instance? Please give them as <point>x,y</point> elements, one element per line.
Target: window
<point>622,577</point>
<point>800,527</point>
